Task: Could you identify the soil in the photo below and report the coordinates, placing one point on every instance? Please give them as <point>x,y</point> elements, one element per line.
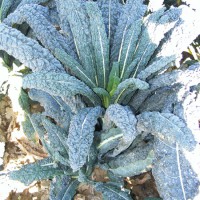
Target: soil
<point>16,150</point>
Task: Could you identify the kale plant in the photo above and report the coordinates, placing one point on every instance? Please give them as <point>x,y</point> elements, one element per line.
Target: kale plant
<point>102,72</point>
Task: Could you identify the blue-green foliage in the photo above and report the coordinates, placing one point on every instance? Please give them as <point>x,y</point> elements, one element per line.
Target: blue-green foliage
<point>90,55</point>
<point>29,51</point>
<point>81,134</point>
<point>86,55</point>
<point>59,186</point>
<point>59,84</point>
<point>37,171</point>
<point>54,107</point>
<point>100,43</point>
<point>112,191</point>
<point>126,121</point>
<point>46,33</point>
<point>5,6</point>
<point>111,10</point>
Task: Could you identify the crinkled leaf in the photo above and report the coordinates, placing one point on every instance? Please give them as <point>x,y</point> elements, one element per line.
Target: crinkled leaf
<point>175,178</point>
<point>63,188</point>
<point>127,87</point>
<point>143,40</point>
<point>161,101</point>
<point>40,130</point>
<point>176,40</point>
<point>129,46</point>
<point>79,23</point>
<point>136,152</point>
<point>124,119</point>
<point>100,43</point>
<point>70,191</point>
<point>43,29</point>
<point>57,153</point>
<point>167,127</point>
<point>59,84</point>
<point>40,170</point>
<point>23,2</point>
<point>54,107</point>
<point>56,136</point>
<point>64,24</point>
<point>111,10</point>
<point>188,77</point>
<point>80,136</point>
<point>91,160</point>
<point>75,103</point>
<point>156,25</point>
<point>109,140</point>
<point>112,191</point>
<point>5,6</point>
<point>58,187</point>
<point>135,168</point>
<point>132,11</point>
<point>26,50</point>
<point>158,64</point>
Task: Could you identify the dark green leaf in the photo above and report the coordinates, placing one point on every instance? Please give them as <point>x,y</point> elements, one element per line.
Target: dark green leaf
<point>58,187</point>
<point>75,67</point>
<point>109,140</point>
<point>135,168</point>
<point>59,84</point>
<point>126,87</point>
<point>24,101</point>
<point>81,133</point>
<point>70,190</point>
<point>100,43</point>
<point>124,119</point>
<point>112,191</point>
<point>43,169</point>
<point>28,128</point>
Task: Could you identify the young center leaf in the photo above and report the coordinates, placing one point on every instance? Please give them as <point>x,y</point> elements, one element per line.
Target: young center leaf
<point>127,87</point>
